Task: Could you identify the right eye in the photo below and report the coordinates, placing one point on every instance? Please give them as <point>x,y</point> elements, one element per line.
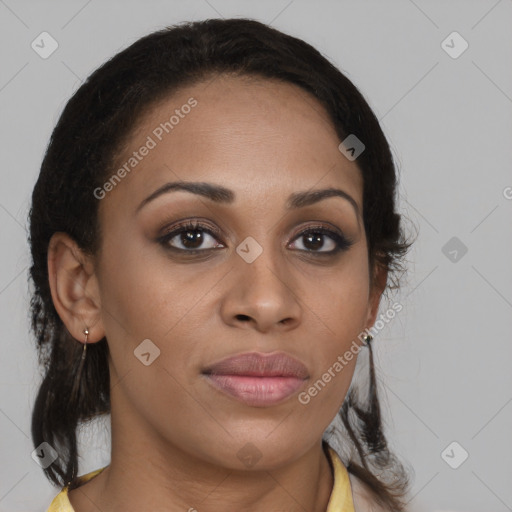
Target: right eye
<point>191,236</point>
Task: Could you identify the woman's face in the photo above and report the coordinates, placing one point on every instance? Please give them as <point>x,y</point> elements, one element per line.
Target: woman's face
<point>245,281</point>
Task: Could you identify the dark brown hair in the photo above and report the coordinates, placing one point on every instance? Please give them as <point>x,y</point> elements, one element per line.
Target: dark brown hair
<point>95,124</point>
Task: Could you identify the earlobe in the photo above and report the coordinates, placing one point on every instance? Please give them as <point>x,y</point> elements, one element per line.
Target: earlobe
<point>74,288</point>
<point>377,287</point>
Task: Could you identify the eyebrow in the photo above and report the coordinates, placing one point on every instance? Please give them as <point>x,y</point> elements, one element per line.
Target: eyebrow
<point>222,195</point>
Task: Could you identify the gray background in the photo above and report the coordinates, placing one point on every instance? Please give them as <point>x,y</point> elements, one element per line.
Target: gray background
<point>444,361</point>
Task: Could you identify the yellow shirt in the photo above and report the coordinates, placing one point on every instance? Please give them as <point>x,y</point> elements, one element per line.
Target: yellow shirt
<point>339,501</point>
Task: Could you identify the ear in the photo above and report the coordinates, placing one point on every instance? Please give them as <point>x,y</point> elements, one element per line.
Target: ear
<point>377,287</point>
<point>74,288</point>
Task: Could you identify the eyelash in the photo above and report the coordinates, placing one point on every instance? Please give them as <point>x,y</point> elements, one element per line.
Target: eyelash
<point>342,242</point>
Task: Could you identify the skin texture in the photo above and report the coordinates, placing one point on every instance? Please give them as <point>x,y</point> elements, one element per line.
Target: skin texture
<point>175,438</point>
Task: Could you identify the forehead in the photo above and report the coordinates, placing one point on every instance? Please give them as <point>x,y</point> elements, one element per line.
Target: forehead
<point>261,138</point>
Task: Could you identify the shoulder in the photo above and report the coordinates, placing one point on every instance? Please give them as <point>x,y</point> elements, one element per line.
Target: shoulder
<point>362,497</point>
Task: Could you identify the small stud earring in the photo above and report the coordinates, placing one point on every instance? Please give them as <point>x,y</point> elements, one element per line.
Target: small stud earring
<point>367,338</point>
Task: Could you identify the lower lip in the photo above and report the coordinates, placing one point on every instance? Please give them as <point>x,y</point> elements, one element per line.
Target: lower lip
<point>256,391</point>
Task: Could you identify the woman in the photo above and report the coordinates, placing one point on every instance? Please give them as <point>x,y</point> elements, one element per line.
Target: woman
<point>212,230</point>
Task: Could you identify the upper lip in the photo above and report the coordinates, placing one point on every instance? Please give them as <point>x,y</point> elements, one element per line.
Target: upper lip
<point>255,364</point>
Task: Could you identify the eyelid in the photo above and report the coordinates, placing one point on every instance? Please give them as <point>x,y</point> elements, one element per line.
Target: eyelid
<point>190,223</point>
<point>325,225</point>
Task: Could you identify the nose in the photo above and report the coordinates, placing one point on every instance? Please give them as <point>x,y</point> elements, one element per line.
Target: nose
<point>262,295</point>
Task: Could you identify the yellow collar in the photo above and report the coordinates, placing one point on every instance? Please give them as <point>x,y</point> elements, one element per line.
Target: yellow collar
<point>339,501</point>
<point>341,494</point>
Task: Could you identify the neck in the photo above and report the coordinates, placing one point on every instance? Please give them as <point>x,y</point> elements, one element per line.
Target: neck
<point>150,471</point>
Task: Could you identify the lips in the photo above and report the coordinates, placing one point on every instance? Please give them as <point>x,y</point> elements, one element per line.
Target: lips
<point>254,364</point>
<point>256,379</point>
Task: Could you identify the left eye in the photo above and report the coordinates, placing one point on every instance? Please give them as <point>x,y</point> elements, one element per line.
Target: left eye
<point>315,241</point>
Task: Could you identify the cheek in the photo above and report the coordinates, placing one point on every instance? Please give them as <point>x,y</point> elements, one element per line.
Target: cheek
<point>137,283</point>
<point>145,295</point>
<point>144,299</point>
<point>341,298</point>
<point>342,304</point>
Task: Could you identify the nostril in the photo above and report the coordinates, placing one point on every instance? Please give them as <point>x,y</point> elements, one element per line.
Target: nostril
<point>242,317</point>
